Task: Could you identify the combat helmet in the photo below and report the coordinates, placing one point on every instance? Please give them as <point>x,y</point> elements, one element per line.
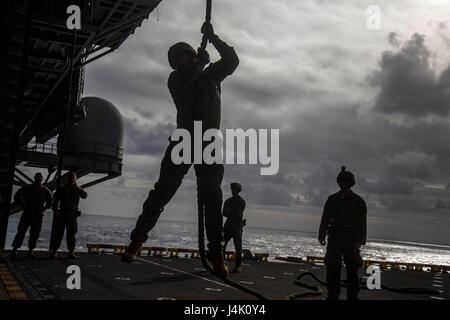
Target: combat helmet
<point>345,175</point>
<point>236,186</point>
<point>177,50</point>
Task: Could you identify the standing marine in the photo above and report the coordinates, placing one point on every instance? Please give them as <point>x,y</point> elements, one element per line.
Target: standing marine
<point>66,213</point>
<point>233,210</point>
<point>34,200</point>
<point>345,220</point>
<point>196,93</point>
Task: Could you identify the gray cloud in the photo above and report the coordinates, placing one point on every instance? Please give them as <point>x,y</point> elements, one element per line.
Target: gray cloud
<point>307,77</point>
<point>145,139</point>
<point>408,86</point>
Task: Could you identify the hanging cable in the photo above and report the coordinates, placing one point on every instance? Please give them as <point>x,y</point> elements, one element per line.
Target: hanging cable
<point>207,19</point>
<point>201,249</point>
<point>201,208</point>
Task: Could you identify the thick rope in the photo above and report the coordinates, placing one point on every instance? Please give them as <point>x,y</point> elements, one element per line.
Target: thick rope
<point>207,19</point>
<point>201,247</point>
<point>317,291</point>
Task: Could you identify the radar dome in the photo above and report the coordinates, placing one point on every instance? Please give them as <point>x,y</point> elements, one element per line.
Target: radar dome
<point>100,133</point>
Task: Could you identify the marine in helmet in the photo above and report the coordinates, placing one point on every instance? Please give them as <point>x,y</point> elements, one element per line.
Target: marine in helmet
<point>34,200</point>
<point>233,210</point>
<point>345,220</point>
<point>66,213</point>
<point>196,93</point>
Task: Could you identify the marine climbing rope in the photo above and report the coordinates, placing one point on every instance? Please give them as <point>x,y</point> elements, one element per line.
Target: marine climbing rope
<point>201,207</point>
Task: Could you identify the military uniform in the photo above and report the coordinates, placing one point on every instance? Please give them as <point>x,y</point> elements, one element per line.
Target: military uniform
<point>66,201</point>
<point>34,199</point>
<point>344,217</point>
<point>233,210</point>
<point>196,94</point>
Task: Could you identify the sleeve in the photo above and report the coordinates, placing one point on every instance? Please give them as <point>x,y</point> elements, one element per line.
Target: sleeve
<point>227,64</point>
<point>241,209</point>
<point>226,208</point>
<point>19,197</point>
<point>325,221</point>
<point>48,199</point>
<point>181,84</point>
<point>83,194</point>
<point>56,199</point>
<point>363,224</point>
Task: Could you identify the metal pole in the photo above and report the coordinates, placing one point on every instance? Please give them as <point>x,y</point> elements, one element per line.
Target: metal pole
<point>66,118</point>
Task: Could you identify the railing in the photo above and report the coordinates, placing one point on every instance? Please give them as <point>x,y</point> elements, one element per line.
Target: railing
<point>92,148</point>
<point>46,147</point>
<point>161,251</point>
<point>391,265</point>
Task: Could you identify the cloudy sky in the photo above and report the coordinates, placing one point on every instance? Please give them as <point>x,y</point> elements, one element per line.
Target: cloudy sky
<point>374,100</point>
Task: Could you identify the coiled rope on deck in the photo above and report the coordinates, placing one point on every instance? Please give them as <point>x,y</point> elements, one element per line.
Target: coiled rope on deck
<point>317,291</point>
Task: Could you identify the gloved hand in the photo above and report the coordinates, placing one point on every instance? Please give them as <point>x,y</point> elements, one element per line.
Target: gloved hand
<point>207,29</point>
<point>322,241</point>
<point>202,56</point>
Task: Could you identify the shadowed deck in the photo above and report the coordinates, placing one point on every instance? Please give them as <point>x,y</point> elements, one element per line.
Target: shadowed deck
<point>104,276</point>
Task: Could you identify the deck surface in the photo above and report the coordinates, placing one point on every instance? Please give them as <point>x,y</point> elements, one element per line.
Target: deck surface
<point>104,276</point>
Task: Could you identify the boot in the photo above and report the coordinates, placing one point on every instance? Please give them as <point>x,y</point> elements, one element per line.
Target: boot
<point>30,254</point>
<point>218,264</point>
<point>72,255</point>
<point>53,254</point>
<point>132,251</point>
<point>14,253</point>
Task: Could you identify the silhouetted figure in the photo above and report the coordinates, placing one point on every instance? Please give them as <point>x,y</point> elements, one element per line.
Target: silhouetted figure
<point>66,213</point>
<point>345,219</point>
<point>196,94</point>
<point>233,210</point>
<point>34,200</point>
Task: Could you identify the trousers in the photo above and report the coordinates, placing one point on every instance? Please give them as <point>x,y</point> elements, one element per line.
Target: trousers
<point>209,192</point>
<point>342,246</point>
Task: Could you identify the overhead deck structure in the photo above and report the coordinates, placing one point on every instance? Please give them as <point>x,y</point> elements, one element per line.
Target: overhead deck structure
<point>35,74</point>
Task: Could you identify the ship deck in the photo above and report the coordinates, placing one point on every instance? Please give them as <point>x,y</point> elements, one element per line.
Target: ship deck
<point>104,276</point>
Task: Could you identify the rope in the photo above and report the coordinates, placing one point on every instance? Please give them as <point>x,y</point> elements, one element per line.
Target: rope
<point>317,291</point>
<point>201,215</point>
<point>201,247</point>
<point>207,19</point>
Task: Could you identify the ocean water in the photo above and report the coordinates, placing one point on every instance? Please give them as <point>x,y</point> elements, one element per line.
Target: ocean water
<point>175,234</point>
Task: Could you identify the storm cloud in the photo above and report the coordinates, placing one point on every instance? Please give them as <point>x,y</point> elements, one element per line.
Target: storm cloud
<point>408,85</point>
